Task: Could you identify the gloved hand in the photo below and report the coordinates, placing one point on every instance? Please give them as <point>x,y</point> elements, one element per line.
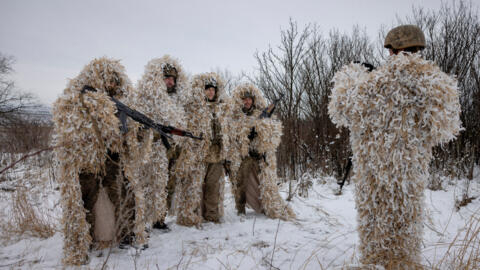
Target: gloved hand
<point>227,166</point>
<point>252,134</point>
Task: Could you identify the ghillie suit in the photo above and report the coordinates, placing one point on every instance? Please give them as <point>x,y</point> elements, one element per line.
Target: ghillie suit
<point>395,114</point>
<point>95,158</point>
<point>254,163</point>
<point>200,171</point>
<point>164,106</point>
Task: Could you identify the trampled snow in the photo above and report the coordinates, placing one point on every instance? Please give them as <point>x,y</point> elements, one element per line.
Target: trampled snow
<point>323,237</point>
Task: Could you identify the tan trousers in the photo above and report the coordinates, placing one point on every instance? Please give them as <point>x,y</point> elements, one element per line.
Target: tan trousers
<point>122,199</point>
<point>212,192</point>
<point>248,186</point>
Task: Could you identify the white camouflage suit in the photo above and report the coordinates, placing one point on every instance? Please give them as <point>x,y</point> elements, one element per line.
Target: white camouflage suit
<point>152,99</point>
<point>200,172</point>
<point>395,114</point>
<point>94,154</point>
<point>263,183</point>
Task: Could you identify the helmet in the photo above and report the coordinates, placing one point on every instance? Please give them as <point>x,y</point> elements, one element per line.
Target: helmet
<point>169,70</point>
<point>210,82</point>
<point>405,36</point>
<point>248,94</point>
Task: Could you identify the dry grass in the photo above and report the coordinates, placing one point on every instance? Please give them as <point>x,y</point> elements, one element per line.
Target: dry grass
<point>464,251</point>
<point>26,219</point>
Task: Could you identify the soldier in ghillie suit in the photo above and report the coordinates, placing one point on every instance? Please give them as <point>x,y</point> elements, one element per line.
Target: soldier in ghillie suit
<point>395,114</point>
<point>254,163</point>
<point>160,95</point>
<point>101,198</point>
<point>200,172</point>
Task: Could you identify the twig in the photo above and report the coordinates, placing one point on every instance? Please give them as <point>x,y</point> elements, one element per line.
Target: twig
<point>278,228</point>
<point>11,264</point>
<point>104,265</point>
<point>222,264</point>
<point>27,156</point>
<point>275,243</point>
<point>181,259</point>
<point>270,264</point>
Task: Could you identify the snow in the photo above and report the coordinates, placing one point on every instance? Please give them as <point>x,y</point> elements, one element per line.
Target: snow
<point>323,237</point>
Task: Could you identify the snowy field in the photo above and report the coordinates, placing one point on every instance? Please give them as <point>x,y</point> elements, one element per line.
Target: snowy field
<point>323,236</point>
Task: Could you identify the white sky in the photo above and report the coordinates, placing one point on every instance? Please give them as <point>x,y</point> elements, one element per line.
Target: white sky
<point>52,40</point>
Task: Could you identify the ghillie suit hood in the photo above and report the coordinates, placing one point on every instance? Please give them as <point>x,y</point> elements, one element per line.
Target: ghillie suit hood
<point>269,133</point>
<point>152,99</point>
<point>151,96</point>
<point>203,116</point>
<point>395,114</point>
<point>84,148</point>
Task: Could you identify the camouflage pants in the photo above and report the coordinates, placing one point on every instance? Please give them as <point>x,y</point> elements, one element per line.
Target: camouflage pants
<point>248,186</point>
<point>212,192</point>
<point>119,195</point>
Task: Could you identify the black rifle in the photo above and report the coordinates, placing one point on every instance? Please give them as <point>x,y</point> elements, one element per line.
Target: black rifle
<point>266,113</point>
<point>369,66</point>
<point>347,172</point>
<point>124,111</point>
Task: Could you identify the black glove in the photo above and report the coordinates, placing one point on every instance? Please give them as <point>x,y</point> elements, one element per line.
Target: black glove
<point>252,134</point>
<point>227,167</point>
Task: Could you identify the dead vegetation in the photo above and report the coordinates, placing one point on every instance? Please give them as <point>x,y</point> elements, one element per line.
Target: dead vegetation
<point>464,251</point>
<point>26,219</point>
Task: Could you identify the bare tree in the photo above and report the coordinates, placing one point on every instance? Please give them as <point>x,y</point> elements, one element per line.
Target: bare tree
<point>12,102</point>
<point>279,73</point>
<point>326,55</point>
<point>231,80</point>
<point>302,68</point>
<point>21,128</point>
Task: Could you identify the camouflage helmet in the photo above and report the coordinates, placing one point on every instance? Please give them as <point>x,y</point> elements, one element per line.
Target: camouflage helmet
<point>248,94</point>
<point>169,70</point>
<point>210,82</point>
<point>405,36</point>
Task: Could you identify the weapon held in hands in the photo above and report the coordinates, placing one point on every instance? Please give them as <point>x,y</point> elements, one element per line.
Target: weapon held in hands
<point>266,113</point>
<point>124,110</point>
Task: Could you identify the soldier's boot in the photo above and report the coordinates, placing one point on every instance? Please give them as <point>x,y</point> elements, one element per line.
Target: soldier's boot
<point>161,225</point>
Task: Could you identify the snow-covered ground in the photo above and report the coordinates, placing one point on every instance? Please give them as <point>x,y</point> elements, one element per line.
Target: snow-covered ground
<point>323,237</point>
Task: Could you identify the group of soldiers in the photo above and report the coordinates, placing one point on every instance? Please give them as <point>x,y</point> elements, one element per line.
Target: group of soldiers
<point>119,179</point>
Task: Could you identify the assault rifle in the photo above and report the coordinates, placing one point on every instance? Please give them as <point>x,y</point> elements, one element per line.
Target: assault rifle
<point>124,111</point>
<point>347,172</point>
<point>266,113</point>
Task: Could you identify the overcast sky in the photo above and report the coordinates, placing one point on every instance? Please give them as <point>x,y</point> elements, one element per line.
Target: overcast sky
<point>52,40</point>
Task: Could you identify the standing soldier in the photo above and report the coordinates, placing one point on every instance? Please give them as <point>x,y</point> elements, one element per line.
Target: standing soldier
<point>395,114</point>
<point>100,195</point>
<point>201,174</point>
<point>254,163</point>
<point>159,95</point>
